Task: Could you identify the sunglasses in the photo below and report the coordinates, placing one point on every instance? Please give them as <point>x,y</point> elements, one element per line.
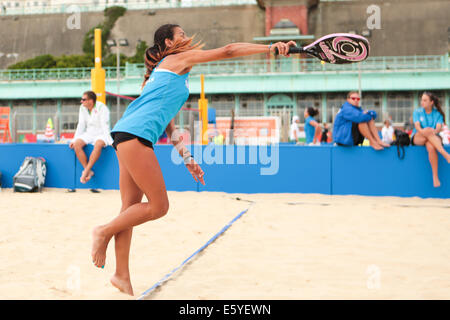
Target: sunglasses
<point>83,99</point>
<point>357,99</point>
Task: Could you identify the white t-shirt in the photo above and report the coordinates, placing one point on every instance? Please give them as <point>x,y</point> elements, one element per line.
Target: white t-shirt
<point>294,129</point>
<point>93,125</point>
<point>387,134</point>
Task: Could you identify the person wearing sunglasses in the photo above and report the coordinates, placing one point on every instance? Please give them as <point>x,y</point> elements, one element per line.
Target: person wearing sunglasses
<point>93,128</point>
<point>352,124</point>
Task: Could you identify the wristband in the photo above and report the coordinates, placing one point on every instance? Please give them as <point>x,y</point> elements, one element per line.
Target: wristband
<point>270,46</point>
<point>188,159</point>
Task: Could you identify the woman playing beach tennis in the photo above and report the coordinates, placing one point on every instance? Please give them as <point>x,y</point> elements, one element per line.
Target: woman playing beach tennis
<point>164,92</point>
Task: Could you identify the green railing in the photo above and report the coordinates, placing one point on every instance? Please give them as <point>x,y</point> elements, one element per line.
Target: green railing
<point>227,67</point>
<point>55,74</point>
<point>75,6</point>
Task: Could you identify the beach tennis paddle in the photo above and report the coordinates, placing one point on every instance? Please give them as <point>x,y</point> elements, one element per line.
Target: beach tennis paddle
<point>336,48</point>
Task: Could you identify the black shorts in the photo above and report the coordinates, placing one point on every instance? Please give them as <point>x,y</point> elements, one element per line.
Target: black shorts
<point>119,137</point>
<point>358,138</point>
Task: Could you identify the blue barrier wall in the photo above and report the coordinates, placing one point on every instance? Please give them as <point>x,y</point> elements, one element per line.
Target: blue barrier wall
<point>60,160</point>
<point>365,171</point>
<point>246,169</point>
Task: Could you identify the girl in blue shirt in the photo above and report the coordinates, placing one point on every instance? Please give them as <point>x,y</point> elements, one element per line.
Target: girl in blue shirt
<point>165,90</point>
<point>428,121</point>
<point>312,127</point>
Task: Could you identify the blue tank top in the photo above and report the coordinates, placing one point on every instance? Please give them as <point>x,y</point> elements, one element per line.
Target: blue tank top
<point>309,130</point>
<point>163,95</point>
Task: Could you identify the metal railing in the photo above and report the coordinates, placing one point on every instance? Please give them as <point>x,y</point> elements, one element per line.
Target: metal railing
<point>278,66</point>
<point>43,8</point>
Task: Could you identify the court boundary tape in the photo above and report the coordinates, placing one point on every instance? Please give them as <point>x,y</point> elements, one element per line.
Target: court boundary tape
<point>167,276</point>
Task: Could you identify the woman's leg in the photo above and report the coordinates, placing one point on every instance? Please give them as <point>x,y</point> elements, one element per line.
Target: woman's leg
<point>421,140</point>
<point>130,195</point>
<point>433,158</point>
<point>142,165</point>
<point>367,133</point>
<point>429,134</point>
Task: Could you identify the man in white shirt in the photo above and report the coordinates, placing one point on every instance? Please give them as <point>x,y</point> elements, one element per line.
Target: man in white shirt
<point>93,128</point>
<point>387,133</point>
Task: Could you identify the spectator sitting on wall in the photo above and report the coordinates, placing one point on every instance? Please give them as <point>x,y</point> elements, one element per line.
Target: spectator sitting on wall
<point>93,128</point>
<point>387,132</point>
<point>312,127</point>
<point>428,121</point>
<point>352,124</point>
<point>325,131</point>
<point>294,131</point>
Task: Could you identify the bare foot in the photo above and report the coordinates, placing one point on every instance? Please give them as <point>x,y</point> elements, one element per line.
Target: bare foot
<point>99,244</point>
<point>376,146</point>
<point>84,175</point>
<point>436,182</point>
<point>124,285</point>
<point>90,175</point>
<point>384,144</point>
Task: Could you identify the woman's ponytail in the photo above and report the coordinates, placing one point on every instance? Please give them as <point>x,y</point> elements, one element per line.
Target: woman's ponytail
<point>155,54</point>
<point>436,103</point>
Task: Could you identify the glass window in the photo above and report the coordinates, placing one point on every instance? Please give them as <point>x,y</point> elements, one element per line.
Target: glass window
<point>400,106</point>
<point>69,114</point>
<point>251,105</point>
<point>308,100</point>
<point>373,101</point>
<point>45,109</point>
<point>23,111</point>
<point>223,104</point>
<point>114,113</point>
<point>334,103</point>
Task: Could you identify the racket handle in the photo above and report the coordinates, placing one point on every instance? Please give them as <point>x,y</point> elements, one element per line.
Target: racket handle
<point>292,50</point>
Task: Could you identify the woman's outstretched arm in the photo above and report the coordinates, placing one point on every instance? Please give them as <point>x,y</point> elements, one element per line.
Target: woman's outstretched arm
<point>233,50</point>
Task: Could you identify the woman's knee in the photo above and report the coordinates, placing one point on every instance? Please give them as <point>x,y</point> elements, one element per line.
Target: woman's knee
<point>128,203</point>
<point>162,209</point>
<point>157,209</point>
<point>428,132</point>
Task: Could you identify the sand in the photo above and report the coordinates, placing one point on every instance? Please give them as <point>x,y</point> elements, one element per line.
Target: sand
<point>287,246</point>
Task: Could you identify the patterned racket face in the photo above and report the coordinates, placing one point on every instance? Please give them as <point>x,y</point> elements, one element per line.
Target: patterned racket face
<point>340,48</point>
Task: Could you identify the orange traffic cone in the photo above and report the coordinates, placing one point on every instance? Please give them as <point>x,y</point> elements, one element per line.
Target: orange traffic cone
<point>49,133</point>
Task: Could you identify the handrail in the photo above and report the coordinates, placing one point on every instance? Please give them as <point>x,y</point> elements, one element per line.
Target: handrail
<point>278,66</point>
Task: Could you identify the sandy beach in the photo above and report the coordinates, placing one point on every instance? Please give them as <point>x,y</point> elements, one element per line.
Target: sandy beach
<point>286,246</point>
